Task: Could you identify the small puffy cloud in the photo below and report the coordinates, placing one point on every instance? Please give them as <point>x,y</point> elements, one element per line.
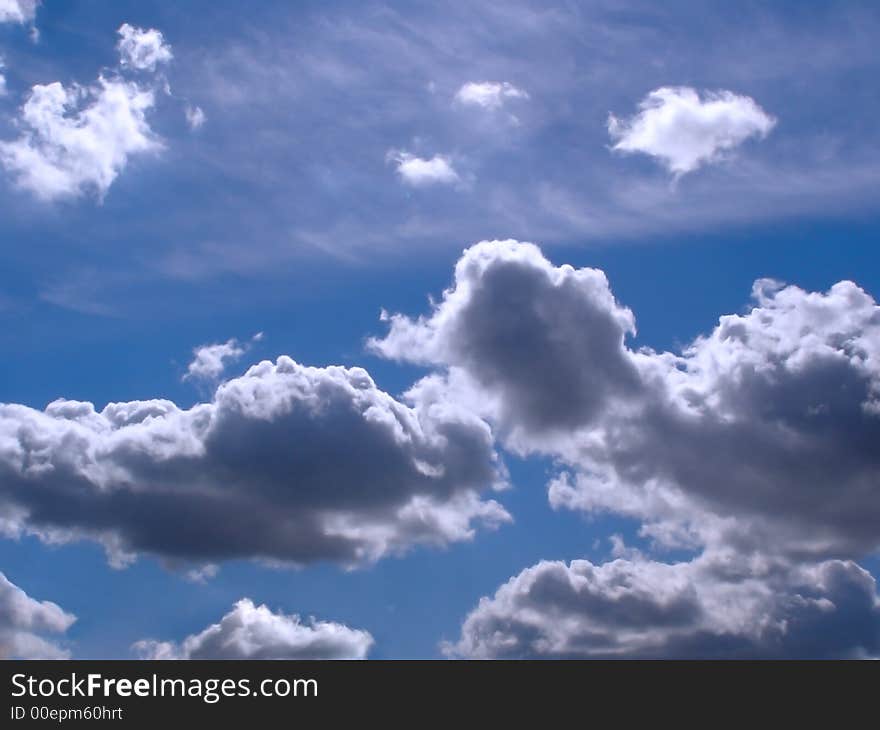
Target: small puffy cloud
<point>18,11</point>
<point>488,94</point>
<point>255,632</point>
<point>202,573</point>
<point>78,139</point>
<point>684,131</point>
<point>210,361</point>
<point>24,621</point>
<point>419,172</point>
<point>141,49</point>
<point>195,117</point>
<point>762,433</point>
<point>286,463</point>
<point>3,90</point>
<point>715,606</point>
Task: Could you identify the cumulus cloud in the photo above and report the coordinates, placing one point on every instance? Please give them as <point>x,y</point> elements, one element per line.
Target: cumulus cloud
<point>419,172</point>
<point>763,432</point>
<point>753,447</point>
<point>255,632</point>
<point>684,131</point>
<point>716,606</point>
<point>210,361</point>
<point>78,139</point>
<point>543,345</point>
<point>195,117</point>
<point>18,11</point>
<point>286,463</point>
<point>24,621</point>
<point>488,94</point>
<point>141,49</point>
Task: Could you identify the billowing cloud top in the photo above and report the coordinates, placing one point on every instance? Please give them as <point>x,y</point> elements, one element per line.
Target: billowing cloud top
<point>754,448</point>
<point>716,606</point>
<point>545,343</point>
<point>287,462</point>
<point>255,632</point>
<point>684,131</point>
<point>772,418</point>
<point>141,49</point>
<point>22,622</point>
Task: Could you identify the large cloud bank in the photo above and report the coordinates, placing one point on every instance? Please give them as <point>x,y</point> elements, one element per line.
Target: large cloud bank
<point>286,463</point>
<point>757,439</point>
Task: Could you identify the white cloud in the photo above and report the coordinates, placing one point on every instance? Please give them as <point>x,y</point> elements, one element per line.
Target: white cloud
<point>202,573</point>
<point>683,131</point>
<point>79,139</point>
<point>18,11</point>
<point>255,632</point>
<point>286,463</point>
<point>488,94</point>
<point>755,447</point>
<point>3,90</point>
<point>141,49</point>
<point>420,172</point>
<point>24,621</point>
<point>761,433</point>
<point>542,345</point>
<point>195,117</point>
<point>210,361</point>
<point>715,606</point>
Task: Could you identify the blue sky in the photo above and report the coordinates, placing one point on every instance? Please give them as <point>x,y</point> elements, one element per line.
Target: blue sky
<point>290,210</point>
